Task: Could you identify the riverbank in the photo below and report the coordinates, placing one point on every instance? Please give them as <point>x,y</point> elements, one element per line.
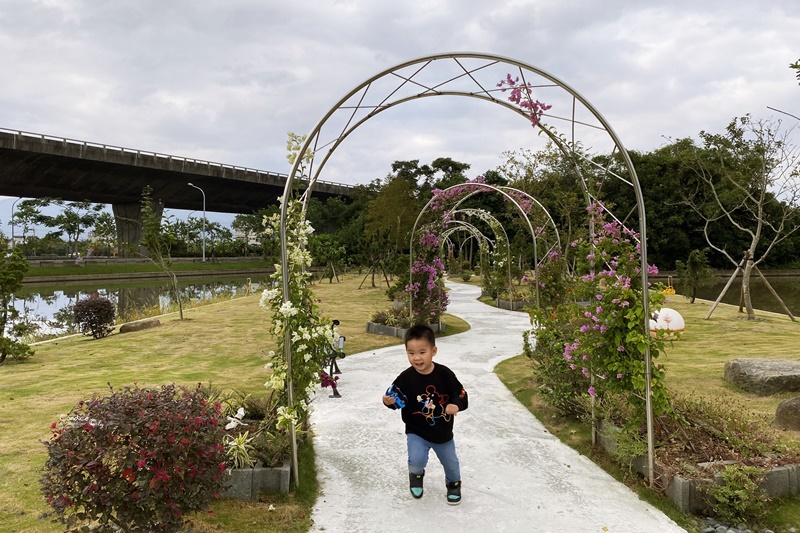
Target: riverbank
<point>725,274</point>
<point>58,272</point>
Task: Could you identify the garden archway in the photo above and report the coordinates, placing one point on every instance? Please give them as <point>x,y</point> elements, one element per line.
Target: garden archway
<point>473,75</point>
<point>494,224</point>
<point>479,186</point>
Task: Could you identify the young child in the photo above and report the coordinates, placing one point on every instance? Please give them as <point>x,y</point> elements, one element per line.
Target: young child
<point>429,396</point>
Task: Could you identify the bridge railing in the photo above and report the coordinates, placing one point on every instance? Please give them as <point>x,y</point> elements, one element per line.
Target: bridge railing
<point>168,157</point>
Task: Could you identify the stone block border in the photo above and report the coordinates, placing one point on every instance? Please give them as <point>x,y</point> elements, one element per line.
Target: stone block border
<point>247,483</point>
<point>507,304</point>
<point>391,331</point>
<point>516,305</point>
<point>687,494</point>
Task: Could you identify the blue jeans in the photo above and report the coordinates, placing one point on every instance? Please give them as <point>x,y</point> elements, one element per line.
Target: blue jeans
<point>418,450</point>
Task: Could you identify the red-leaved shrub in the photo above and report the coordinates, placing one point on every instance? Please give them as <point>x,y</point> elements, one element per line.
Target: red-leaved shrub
<point>139,459</point>
<point>94,315</point>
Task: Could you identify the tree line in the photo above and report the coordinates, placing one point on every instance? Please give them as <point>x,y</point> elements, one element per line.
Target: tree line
<point>732,194</point>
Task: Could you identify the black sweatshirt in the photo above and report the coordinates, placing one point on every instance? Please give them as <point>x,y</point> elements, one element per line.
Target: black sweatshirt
<point>427,395</point>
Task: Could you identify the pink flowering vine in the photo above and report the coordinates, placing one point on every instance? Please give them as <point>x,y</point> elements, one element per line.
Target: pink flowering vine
<point>609,332</point>
<point>521,96</point>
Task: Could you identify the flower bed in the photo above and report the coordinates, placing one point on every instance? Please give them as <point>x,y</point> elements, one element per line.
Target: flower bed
<point>690,495</point>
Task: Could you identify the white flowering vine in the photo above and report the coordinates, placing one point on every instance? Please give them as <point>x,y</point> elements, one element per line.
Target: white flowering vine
<point>311,334</point>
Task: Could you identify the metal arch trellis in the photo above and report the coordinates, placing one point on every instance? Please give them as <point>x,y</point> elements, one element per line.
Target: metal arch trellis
<point>508,192</point>
<point>461,225</point>
<point>482,187</point>
<point>474,233</point>
<point>511,191</point>
<point>461,247</point>
<point>474,75</point>
<point>493,223</point>
<point>544,210</point>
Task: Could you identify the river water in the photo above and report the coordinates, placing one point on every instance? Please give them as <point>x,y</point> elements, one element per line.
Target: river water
<point>48,307</point>
<point>787,288</point>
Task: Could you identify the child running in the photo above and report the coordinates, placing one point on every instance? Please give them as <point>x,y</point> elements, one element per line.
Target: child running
<point>429,396</point>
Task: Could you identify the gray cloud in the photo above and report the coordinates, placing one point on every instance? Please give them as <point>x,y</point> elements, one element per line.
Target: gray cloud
<point>226,80</point>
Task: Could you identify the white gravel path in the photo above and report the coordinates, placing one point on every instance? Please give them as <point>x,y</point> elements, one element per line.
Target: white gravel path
<point>516,476</point>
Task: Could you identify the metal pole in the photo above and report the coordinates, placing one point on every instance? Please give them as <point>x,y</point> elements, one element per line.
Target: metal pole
<point>13,242</point>
<point>204,218</point>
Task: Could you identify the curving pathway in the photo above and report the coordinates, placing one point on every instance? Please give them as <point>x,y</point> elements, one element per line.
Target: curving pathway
<point>517,477</point>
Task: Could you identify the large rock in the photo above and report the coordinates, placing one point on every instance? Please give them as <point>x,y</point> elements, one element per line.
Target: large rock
<point>787,416</point>
<point>764,376</point>
<point>139,325</point>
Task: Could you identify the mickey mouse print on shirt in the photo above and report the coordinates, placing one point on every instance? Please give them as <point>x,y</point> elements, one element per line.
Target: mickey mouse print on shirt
<point>433,405</point>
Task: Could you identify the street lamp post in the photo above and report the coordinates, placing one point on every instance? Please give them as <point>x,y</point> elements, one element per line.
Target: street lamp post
<point>13,241</point>
<point>204,218</point>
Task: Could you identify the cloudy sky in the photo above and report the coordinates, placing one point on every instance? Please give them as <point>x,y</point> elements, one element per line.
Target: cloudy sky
<point>226,80</point>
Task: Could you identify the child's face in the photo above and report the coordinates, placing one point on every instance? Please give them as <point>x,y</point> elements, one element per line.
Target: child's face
<point>420,354</point>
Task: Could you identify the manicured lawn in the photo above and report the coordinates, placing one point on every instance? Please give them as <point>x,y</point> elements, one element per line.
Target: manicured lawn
<point>225,344</point>
<point>696,363</point>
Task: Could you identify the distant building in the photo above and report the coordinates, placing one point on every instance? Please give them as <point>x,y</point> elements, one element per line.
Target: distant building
<point>251,239</point>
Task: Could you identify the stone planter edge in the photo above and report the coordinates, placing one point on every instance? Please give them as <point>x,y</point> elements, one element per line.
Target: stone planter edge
<point>516,305</point>
<point>391,331</point>
<point>247,483</point>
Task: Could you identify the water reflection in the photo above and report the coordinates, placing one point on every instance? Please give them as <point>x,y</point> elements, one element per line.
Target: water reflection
<point>787,288</point>
<point>48,309</point>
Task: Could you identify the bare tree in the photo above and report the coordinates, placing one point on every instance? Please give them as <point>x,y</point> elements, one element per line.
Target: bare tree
<point>749,183</point>
<point>158,242</point>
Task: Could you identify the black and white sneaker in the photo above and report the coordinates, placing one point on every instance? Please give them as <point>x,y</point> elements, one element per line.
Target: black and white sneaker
<point>415,484</point>
<point>454,493</point>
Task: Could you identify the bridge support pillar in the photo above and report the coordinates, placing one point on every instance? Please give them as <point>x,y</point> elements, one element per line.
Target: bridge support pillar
<point>128,217</point>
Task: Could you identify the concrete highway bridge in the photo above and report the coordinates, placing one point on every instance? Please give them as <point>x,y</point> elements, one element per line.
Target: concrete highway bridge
<point>35,166</point>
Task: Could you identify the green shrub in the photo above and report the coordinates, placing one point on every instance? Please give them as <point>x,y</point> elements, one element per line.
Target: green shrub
<point>255,417</point>
<point>396,316</point>
<point>398,290</point>
<point>738,498</point>
<point>95,316</point>
<point>12,269</point>
<point>137,460</point>
<point>559,384</point>
<point>239,450</point>
<point>271,446</point>
<point>466,275</point>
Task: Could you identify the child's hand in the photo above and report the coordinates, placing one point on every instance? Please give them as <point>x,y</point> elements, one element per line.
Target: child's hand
<point>451,409</point>
<point>388,400</point>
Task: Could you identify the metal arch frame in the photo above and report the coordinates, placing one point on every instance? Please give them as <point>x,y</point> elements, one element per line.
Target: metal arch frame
<point>462,225</point>
<point>461,247</point>
<point>506,189</point>
<point>313,138</point>
<point>481,187</point>
<point>446,235</point>
<point>544,210</point>
<point>480,213</point>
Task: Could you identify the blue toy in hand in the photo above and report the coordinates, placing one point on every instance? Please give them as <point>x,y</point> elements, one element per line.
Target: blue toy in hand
<point>397,394</point>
